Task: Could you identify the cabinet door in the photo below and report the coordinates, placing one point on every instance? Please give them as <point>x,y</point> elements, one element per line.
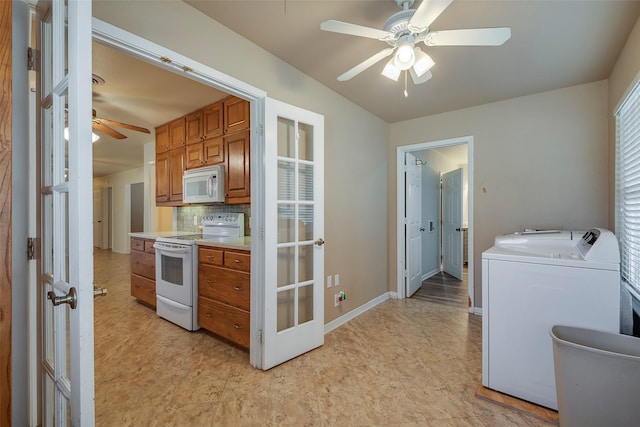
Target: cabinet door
<point>194,124</point>
<point>176,164</point>
<point>194,156</point>
<point>213,122</point>
<point>162,177</point>
<point>162,138</point>
<point>176,133</point>
<point>237,172</point>
<point>236,114</point>
<point>213,151</point>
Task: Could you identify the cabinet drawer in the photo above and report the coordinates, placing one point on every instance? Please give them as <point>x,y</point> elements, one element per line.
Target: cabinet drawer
<point>143,289</point>
<point>137,244</point>
<point>143,264</point>
<point>237,260</point>
<point>210,256</point>
<point>148,247</point>
<point>221,319</point>
<point>224,285</point>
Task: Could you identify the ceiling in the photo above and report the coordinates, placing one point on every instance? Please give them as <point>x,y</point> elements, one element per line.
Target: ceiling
<point>554,44</point>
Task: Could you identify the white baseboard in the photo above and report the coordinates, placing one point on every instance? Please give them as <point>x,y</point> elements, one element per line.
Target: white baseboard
<point>356,312</point>
<point>476,310</point>
<point>430,274</point>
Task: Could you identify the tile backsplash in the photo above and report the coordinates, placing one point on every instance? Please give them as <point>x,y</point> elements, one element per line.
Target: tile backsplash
<point>186,213</point>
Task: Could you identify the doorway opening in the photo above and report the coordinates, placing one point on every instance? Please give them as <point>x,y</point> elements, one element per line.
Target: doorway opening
<point>445,243</point>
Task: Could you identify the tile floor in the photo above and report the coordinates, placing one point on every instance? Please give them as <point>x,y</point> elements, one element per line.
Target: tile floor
<point>402,363</point>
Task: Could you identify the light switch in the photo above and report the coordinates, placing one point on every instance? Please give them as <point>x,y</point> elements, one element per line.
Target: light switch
<point>328,281</point>
<point>337,281</point>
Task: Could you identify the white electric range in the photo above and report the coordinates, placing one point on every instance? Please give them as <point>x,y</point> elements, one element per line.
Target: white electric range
<point>177,268</point>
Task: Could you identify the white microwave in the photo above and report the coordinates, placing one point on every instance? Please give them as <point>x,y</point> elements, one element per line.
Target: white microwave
<point>203,185</point>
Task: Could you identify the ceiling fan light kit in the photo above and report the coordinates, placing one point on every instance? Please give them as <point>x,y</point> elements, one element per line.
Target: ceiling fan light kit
<point>403,30</point>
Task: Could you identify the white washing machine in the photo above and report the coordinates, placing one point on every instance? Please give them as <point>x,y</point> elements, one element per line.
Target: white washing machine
<point>532,281</point>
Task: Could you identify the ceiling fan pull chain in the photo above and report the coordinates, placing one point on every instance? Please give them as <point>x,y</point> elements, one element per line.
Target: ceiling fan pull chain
<point>406,94</point>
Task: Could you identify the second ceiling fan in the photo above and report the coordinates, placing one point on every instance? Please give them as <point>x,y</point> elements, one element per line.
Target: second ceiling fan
<point>404,30</point>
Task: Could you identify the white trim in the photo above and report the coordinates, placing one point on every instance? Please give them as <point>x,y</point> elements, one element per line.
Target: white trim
<point>328,327</point>
<point>150,52</point>
<point>476,310</point>
<point>400,244</point>
<point>430,274</point>
<point>627,92</point>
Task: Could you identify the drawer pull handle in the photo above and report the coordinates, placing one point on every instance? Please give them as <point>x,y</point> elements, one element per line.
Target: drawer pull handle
<point>210,256</point>
<point>237,261</point>
<point>209,281</point>
<point>207,314</point>
<point>235,325</point>
<point>237,288</point>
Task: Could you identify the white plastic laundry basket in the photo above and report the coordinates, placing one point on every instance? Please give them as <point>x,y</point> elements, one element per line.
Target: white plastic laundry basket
<point>597,377</point>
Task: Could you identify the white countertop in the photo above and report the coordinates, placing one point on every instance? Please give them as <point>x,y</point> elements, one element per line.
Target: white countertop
<point>156,234</point>
<point>242,243</point>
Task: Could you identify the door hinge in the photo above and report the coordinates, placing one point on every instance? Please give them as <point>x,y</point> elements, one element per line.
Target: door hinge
<point>31,60</point>
<point>260,129</point>
<point>31,248</point>
<point>261,336</point>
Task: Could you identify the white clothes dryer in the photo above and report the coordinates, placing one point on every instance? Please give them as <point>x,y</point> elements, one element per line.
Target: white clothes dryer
<point>532,281</point>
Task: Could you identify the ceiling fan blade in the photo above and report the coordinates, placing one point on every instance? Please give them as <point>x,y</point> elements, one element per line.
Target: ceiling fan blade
<point>423,78</point>
<point>426,13</point>
<point>354,30</point>
<point>124,125</point>
<point>366,64</point>
<point>102,128</point>
<point>469,37</point>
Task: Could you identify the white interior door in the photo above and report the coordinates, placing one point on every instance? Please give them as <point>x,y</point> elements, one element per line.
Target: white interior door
<point>294,232</point>
<point>452,235</point>
<point>97,217</point>
<point>66,267</point>
<point>413,228</point>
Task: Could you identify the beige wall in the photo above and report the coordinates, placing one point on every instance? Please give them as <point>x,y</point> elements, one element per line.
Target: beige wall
<point>539,160</point>
<point>627,69</point>
<point>355,141</point>
<point>119,205</point>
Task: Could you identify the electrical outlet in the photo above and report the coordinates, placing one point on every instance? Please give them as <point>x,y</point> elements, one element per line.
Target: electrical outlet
<point>328,281</point>
<point>195,220</point>
<point>336,300</point>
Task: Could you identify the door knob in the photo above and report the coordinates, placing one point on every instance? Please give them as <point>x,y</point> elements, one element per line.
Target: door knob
<point>458,229</point>
<point>421,228</point>
<point>320,241</point>
<point>71,298</point>
<point>99,292</point>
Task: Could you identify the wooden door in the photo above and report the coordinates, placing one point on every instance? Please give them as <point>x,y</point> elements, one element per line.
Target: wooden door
<point>177,133</point>
<point>176,168</point>
<point>213,120</point>
<point>236,114</point>
<point>162,177</point>
<point>162,139</point>
<point>194,124</point>
<point>237,177</point>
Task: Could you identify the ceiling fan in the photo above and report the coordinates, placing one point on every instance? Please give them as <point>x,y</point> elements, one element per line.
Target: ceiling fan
<point>404,30</point>
<point>102,125</point>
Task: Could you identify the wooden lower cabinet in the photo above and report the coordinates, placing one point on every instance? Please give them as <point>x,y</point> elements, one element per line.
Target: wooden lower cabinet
<point>143,270</point>
<point>224,296</point>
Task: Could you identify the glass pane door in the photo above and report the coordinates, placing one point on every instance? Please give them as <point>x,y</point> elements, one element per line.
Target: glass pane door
<point>294,269</point>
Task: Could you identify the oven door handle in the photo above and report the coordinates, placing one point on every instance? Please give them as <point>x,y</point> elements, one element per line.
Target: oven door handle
<point>164,248</point>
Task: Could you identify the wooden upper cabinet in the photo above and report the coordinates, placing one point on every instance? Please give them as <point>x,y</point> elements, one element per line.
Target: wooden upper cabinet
<point>162,138</point>
<point>236,114</point>
<point>162,177</point>
<point>177,133</point>
<point>176,168</point>
<point>237,178</point>
<point>213,120</point>
<point>194,124</point>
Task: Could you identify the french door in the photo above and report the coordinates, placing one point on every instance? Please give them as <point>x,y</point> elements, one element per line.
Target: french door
<point>294,232</point>
<point>65,213</point>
